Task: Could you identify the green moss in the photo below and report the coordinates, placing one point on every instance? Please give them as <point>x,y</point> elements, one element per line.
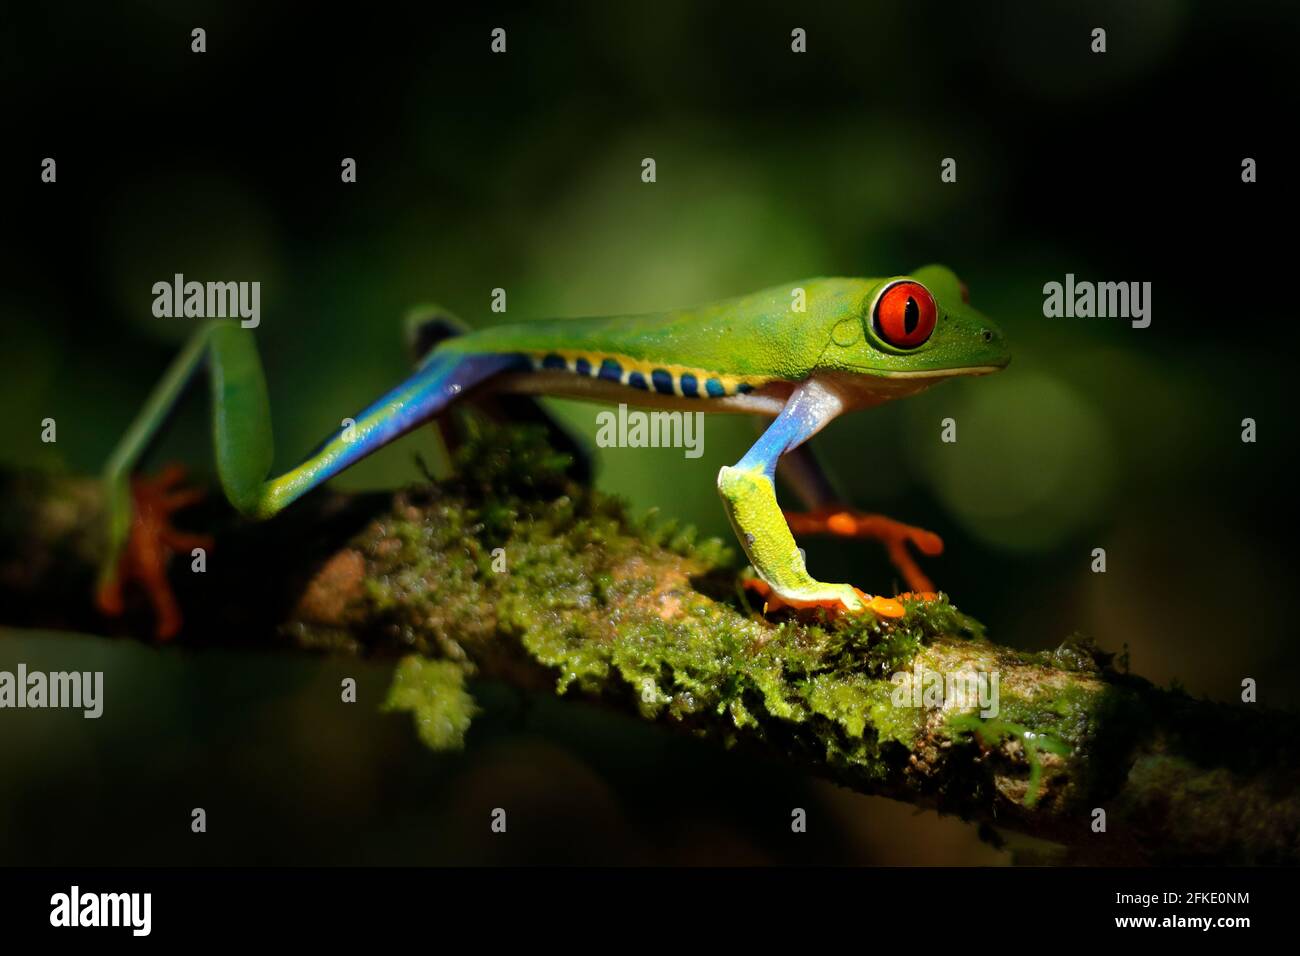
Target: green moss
<point>636,609</point>
<point>434,692</point>
<point>1077,654</point>
<point>1065,713</point>
<point>993,730</point>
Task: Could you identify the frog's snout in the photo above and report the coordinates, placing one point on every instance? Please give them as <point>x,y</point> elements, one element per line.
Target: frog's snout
<point>992,339</point>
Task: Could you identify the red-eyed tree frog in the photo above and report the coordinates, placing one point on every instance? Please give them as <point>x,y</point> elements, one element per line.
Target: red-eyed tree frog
<point>798,354</point>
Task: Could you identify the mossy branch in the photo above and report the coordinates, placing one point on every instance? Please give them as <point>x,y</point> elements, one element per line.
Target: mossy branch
<point>516,573</point>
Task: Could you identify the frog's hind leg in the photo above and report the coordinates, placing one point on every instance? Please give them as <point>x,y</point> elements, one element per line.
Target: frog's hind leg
<point>139,535</point>
<point>443,379</point>
<point>827,515</point>
<point>429,325</point>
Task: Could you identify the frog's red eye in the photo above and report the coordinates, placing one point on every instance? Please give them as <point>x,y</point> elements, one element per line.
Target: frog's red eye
<point>905,314</point>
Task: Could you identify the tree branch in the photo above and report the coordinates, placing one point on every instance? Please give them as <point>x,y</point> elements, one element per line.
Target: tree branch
<point>516,573</point>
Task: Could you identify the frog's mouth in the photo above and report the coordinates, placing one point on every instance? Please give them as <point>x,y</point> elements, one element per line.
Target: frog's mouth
<point>931,373</point>
<point>971,370</point>
<point>875,385</point>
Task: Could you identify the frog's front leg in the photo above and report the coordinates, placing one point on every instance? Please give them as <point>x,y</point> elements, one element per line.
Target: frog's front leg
<point>749,494</point>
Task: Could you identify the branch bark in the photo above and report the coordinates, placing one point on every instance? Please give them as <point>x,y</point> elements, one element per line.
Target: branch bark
<point>516,573</point>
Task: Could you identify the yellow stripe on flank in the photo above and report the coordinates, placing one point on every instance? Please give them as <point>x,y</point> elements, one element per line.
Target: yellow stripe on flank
<point>627,365</point>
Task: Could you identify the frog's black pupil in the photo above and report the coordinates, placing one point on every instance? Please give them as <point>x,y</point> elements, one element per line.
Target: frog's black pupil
<point>911,315</point>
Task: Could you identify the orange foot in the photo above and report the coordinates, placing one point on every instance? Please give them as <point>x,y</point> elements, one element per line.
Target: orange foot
<point>895,535</point>
<point>152,542</point>
<point>885,607</point>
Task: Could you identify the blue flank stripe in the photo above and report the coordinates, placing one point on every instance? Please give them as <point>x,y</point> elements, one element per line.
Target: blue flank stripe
<point>661,380</point>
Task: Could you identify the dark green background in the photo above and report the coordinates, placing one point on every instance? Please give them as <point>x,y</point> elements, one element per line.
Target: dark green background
<point>523,171</point>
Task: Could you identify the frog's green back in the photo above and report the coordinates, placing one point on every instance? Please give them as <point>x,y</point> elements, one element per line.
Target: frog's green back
<point>757,336</point>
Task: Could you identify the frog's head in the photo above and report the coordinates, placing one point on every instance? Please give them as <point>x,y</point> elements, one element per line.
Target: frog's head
<point>918,327</point>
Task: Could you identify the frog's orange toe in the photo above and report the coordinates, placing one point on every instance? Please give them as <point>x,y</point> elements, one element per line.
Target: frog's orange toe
<point>895,535</point>
<point>149,547</point>
<point>841,523</point>
<point>884,607</point>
